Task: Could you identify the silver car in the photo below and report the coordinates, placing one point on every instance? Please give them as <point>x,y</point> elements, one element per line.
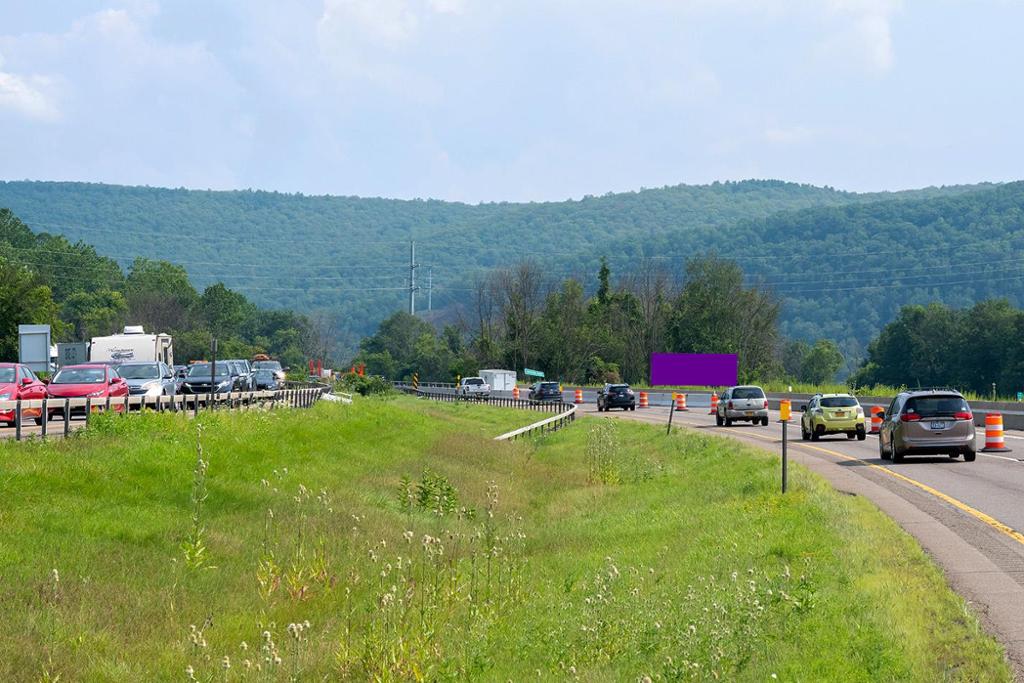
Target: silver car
<point>935,421</point>
<point>148,379</point>
<point>742,404</point>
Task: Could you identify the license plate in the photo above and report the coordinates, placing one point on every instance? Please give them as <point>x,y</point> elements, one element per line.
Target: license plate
<point>750,412</point>
<point>840,413</point>
<point>938,425</point>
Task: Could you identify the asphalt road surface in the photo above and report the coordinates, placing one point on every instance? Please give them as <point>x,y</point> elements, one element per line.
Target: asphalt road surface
<point>967,516</point>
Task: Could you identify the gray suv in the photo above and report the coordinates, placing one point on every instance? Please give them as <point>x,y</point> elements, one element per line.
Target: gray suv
<point>927,421</point>
<point>742,404</point>
<point>148,379</point>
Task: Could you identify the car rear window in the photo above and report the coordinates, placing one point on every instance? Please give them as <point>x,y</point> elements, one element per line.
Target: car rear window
<point>747,392</point>
<point>931,406</point>
<point>549,386</point>
<point>474,380</point>
<point>618,388</point>
<point>839,402</point>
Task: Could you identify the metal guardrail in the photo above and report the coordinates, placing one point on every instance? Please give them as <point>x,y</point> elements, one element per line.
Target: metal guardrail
<point>42,411</point>
<point>564,413</point>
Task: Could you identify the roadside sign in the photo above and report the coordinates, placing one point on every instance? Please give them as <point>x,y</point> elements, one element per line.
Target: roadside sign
<point>533,373</point>
<point>34,347</point>
<point>72,353</point>
<point>1020,395</point>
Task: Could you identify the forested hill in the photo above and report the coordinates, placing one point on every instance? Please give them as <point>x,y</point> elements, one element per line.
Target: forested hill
<point>349,255</point>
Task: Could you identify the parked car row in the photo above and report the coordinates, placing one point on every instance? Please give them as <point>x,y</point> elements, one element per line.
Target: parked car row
<point>102,380</point>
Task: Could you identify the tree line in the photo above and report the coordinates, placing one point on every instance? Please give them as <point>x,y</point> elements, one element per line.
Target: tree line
<point>45,279</point>
<point>520,318</point>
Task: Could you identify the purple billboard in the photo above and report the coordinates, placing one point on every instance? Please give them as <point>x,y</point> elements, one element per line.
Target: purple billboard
<point>694,369</point>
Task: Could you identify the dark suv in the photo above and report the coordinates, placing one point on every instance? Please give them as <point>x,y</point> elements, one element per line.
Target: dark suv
<point>545,391</point>
<point>615,396</point>
<point>923,421</point>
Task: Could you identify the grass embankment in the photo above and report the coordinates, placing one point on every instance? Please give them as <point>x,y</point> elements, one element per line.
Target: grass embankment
<point>396,540</point>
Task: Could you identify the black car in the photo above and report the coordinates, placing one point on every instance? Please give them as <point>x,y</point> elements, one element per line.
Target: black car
<point>545,391</point>
<point>199,379</point>
<point>240,373</point>
<point>266,379</point>
<point>615,396</point>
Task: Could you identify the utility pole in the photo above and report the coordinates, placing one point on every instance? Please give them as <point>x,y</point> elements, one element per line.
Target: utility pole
<point>412,277</point>
<point>430,288</point>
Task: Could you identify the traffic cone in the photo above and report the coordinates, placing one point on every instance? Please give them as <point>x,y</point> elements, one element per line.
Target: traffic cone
<point>643,399</point>
<point>994,440</point>
<point>515,392</point>
<point>681,402</point>
<point>714,404</point>
<point>876,419</point>
<point>579,396</point>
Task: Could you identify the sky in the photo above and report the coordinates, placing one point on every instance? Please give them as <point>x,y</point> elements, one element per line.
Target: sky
<point>510,100</point>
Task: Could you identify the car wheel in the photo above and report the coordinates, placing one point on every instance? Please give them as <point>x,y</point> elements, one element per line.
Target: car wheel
<point>815,435</point>
<point>718,420</point>
<point>803,433</point>
<point>970,456</point>
<point>861,434</point>
<point>897,455</point>
<point>881,450</point>
<point>764,421</point>
<point>728,422</point>
<point>39,420</point>
<point>632,407</point>
<point>850,435</point>
<point>953,455</point>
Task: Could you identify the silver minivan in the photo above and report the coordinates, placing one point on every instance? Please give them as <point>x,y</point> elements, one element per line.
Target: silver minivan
<point>927,421</point>
<point>742,404</point>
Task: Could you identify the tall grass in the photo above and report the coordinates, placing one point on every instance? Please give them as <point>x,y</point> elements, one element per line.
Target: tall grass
<point>396,541</point>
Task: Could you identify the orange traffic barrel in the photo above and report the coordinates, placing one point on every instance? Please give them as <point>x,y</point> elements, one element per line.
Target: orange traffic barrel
<point>681,402</point>
<point>643,399</point>
<point>995,442</point>
<point>714,404</point>
<point>515,392</point>
<point>579,396</point>
<point>876,419</point>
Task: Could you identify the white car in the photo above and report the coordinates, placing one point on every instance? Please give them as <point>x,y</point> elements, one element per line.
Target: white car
<point>474,387</point>
<point>742,404</point>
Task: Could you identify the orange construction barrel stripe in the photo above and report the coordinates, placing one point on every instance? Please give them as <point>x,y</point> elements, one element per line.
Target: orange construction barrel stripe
<point>643,399</point>
<point>994,438</point>
<point>876,419</point>
<point>714,404</point>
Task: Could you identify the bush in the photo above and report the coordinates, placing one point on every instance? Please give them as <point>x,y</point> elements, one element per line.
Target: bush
<point>365,385</point>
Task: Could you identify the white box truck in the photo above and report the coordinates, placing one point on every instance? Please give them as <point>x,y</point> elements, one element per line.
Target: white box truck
<point>499,380</point>
<point>133,345</point>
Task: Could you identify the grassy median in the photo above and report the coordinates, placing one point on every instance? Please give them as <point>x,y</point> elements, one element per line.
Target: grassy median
<point>395,540</point>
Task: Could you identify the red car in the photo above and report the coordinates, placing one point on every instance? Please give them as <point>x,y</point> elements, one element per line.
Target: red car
<point>93,381</point>
<point>19,382</point>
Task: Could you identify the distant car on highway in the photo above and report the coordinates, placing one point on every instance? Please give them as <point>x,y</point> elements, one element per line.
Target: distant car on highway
<point>19,383</point>
<point>923,421</point>
<point>742,404</point>
<point>200,379</point>
<point>240,372</point>
<point>265,379</point>
<point>148,379</point>
<point>473,387</point>
<point>263,363</point>
<point>832,414</point>
<point>545,391</point>
<point>615,396</point>
<point>91,380</point>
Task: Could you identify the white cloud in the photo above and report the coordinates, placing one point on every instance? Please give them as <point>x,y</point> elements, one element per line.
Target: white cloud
<point>865,32</point>
<point>793,135</point>
<point>27,96</point>
<point>387,22</point>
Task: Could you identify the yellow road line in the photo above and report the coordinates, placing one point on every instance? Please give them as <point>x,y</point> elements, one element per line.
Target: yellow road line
<point>977,514</point>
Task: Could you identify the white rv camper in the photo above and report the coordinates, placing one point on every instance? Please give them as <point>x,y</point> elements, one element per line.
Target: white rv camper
<point>133,345</point>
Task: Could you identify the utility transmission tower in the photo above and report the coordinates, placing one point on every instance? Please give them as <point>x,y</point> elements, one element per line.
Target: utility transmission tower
<point>412,277</point>
<point>430,288</point>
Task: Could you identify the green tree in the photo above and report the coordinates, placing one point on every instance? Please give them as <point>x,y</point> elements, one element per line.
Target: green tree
<point>24,301</point>
<point>160,295</point>
<point>821,362</point>
<point>93,314</point>
<point>225,311</point>
<point>793,354</point>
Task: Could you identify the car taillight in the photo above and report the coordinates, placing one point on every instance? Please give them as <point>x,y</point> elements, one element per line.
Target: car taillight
<point>766,403</point>
<point>963,416</point>
<point>729,405</point>
<point>910,417</point>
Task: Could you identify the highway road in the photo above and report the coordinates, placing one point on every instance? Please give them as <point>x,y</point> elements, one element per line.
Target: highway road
<point>967,516</point>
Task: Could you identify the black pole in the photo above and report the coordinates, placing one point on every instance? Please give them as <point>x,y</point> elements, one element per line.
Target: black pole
<point>784,457</point>
<point>213,369</point>
<point>671,412</point>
